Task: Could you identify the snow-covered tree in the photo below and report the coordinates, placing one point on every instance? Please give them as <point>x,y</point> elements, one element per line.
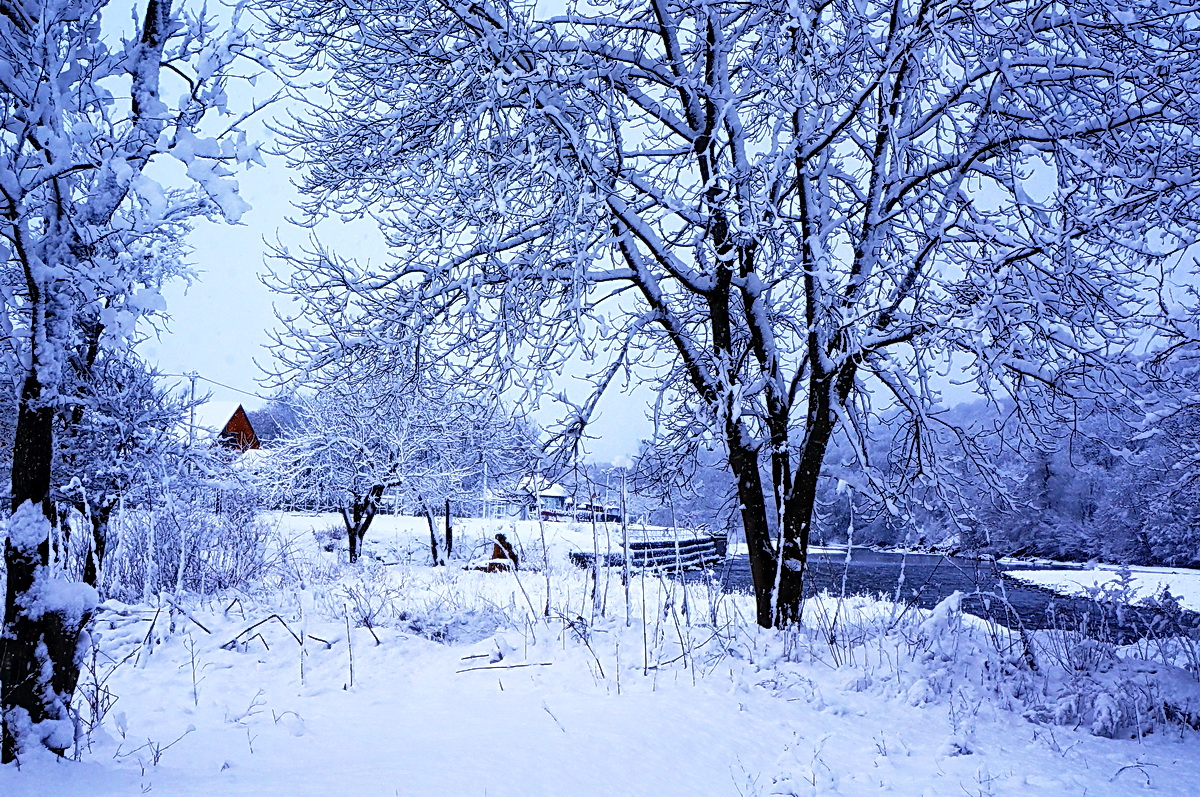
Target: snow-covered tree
<point>688,488</point>
<point>271,421</point>
<point>88,235</point>
<point>121,435</point>
<point>354,443</point>
<point>779,213</point>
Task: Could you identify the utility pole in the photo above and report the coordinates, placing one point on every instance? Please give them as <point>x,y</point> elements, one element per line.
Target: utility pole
<point>625,544</point>
<point>193,376</point>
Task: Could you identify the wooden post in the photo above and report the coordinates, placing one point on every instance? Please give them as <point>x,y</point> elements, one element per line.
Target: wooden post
<point>545,551</point>
<point>597,603</point>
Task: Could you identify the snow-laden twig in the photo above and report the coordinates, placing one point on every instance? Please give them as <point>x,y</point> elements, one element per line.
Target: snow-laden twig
<point>507,666</point>
<point>233,642</point>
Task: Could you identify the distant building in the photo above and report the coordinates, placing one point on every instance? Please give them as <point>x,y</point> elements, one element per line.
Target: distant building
<point>552,500</point>
<point>238,434</point>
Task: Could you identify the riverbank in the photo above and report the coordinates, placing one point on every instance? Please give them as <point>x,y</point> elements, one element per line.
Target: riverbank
<point>1132,585</point>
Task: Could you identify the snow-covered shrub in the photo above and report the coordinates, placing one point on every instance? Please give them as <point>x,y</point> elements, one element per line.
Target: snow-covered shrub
<point>461,606</point>
<point>943,654</point>
<point>331,538</point>
<point>1170,637</point>
<point>944,657</point>
<point>1114,690</point>
<point>1121,698</point>
<point>443,625</point>
<point>450,606</point>
<point>369,599</point>
<point>203,541</point>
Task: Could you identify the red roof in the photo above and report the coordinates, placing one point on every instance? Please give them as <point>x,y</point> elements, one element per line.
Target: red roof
<point>238,434</point>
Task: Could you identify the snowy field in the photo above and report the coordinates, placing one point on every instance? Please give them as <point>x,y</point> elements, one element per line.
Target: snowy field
<point>396,678</point>
<point>1107,580</point>
<point>401,538</point>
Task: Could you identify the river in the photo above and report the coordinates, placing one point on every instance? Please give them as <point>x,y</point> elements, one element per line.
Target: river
<point>925,579</point>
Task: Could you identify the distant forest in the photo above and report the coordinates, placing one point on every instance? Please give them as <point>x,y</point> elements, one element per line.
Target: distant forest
<point>1113,479</point>
<point>1096,487</point>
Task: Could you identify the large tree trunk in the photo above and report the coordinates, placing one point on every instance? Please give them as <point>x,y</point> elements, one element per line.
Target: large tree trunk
<point>35,687</point>
<point>743,461</point>
<point>778,576</point>
<point>799,501</point>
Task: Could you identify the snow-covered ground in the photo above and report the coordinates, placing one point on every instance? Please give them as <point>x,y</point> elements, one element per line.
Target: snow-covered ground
<point>421,681</point>
<point>403,538</point>
<point>1141,583</point>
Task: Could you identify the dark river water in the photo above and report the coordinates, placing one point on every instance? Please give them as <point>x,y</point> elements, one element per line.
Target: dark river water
<point>925,579</point>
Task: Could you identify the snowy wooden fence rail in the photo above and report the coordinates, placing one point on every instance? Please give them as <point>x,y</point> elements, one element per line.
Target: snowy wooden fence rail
<point>660,553</point>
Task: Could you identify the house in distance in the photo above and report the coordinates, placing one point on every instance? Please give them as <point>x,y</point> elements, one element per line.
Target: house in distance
<point>238,434</point>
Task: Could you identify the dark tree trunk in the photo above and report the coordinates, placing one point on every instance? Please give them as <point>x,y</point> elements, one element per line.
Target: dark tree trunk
<point>778,576</point>
<point>433,542</point>
<point>743,461</point>
<point>33,448</point>
<point>449,533</point>
<point>358,517</point>
<point>370,510</point>
<point>100,516</point>
<point>25,692</point>
<point>348,514</point>
<point>799,500</point>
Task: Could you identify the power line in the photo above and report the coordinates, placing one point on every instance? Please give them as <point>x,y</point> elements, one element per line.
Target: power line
<point>195,375</point>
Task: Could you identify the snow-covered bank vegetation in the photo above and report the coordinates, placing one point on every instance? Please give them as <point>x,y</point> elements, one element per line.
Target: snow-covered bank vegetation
<point>1106,483</point>
<point>1130,585</point>
<point>406,679</point>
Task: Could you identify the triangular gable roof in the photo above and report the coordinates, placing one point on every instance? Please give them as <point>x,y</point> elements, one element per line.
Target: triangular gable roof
<point>238,434</point>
